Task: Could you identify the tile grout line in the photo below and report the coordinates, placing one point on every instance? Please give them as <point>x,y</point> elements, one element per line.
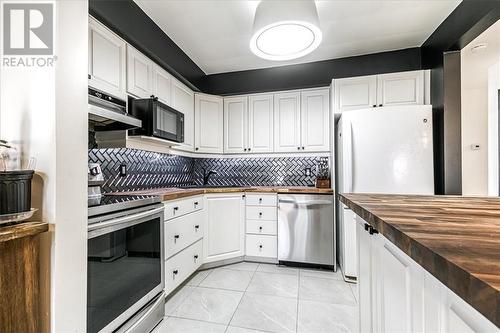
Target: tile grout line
<point>242,296</point>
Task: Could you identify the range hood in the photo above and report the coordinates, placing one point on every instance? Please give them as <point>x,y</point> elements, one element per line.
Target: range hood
<point>107,113</point>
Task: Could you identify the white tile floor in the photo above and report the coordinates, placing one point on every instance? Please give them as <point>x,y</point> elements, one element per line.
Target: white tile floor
<point>249,297</point>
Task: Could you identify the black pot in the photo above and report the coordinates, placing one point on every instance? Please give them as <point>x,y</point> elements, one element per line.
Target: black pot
<point>15,191</point>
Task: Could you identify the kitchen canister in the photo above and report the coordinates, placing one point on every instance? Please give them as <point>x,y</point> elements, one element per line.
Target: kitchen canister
<point>15,191</point>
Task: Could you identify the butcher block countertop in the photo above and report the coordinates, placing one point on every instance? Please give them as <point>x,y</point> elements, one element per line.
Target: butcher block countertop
<point>21,230</point>
<point>177,193</point>
<point>456,239</point>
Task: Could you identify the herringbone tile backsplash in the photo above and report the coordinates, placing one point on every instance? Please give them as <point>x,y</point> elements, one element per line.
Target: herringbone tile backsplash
<point>153,170</point>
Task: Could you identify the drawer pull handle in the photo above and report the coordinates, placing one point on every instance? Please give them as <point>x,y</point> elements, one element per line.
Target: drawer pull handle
<point>196,203</point>
<point>176,237</point>
<point>260,214</point>
<point>260,228</point>
<point>195,256</point>
<point>260,200</point>
<point>176,209</point>
<point>175,272</point>
<point>373,231</point>
<point>197,227</point>
<point>260,246</point>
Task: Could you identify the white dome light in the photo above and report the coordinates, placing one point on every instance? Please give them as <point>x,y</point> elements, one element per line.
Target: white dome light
<point>285,30</point>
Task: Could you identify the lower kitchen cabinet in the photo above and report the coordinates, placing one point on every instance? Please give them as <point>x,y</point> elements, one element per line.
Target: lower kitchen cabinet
<point>179,267</point>
<point>398,295</point>
<point>224,227</point>
<point>261,246</point>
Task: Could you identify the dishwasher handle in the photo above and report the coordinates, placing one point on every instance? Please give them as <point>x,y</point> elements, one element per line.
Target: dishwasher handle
<point>306,203</point>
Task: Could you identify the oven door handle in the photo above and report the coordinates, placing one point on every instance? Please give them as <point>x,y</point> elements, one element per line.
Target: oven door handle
<point>125,219</point>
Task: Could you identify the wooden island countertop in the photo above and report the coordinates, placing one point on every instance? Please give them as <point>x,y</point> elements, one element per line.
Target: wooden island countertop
<point>456,239</point>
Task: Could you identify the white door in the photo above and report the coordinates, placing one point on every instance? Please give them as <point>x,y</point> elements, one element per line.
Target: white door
<point>260,124</point>
<point>139,74</point>
<point>224,227</point>
<point>106,60</point>
<point>315,120</point>
<point>392,143</point>
<point>365,282</point>
<point>355,93</point>
<point>182,99</point>
<point>208,117</point>
<point>161,84</point>
<point>400,88</point>
<point>399,289</point>
<point>236,125</point>
<point>287,122</point>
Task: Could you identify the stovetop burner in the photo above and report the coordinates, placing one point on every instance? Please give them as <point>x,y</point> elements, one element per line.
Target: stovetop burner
<point>112,203</point>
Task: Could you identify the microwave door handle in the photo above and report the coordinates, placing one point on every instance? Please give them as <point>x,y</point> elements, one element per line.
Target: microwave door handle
<point>119,222</point>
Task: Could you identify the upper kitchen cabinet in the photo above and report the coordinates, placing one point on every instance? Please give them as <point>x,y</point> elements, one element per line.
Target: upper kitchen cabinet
<point>182,99</point>
<point>260,123</point>
<point>106,60</point>
<point>404,88</point>
<point>400,88</point>
<point>235,125</point>
<point>287,122</point>
<point>315,120</point>
<point>355,93</point>
<point>161,84</point>
<point>139,74</point>
<point>208,128</point>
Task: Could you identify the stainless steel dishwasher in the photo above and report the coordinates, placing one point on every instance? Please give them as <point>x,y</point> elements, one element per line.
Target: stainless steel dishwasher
<point>306,229</point>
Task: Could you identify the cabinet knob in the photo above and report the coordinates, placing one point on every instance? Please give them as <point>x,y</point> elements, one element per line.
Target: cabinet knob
<point>303,148</point>
<point>176,236</point>
<point>175,272</point>
<point>260,214</point>
<point>89,76</point>
<point>196,148</point>
<point>245,149</point>
<point>243,196</point>
<point>249,149</point>
<point>195,256</point>
<point>260,228</point>
<point>367,226</point>
<point>196,203</point>
<point>176,208</point>
<point>298,148</point>
<point>260,200</point>
<point>374,105</point>
<point>197,227</point>
<point>260,246</point>
<point>380,105</point>
<point>373,231</point>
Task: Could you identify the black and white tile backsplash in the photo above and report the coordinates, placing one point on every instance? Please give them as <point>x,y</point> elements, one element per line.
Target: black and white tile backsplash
<point>153,170</point>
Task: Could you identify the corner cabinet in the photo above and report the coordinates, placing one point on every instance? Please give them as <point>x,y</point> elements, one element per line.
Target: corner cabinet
<point>106,60</point>
<point>208,116</point>
<point>403,88</point>
<point>395,294</point>
<point>224,227</point>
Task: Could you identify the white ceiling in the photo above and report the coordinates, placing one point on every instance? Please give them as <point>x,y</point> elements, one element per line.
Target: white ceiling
<point>215,34</point>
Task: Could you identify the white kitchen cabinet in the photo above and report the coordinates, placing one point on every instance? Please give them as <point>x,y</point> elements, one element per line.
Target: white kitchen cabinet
<point>139,74</point>
<point>287,122</point>
<point>260,123</point>
<point>315,120</point>
<point>355,93</point>
<point>161,84</point>
<point>224,227</point>
<point>179,267</point>
<point>182,99</point>
<point>236,125</point>
<point>400,88</point>
<point>106,60</point>
<point>208,116</point>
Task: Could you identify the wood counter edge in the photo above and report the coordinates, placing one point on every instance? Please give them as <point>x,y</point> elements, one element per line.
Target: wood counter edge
<point>21,230</point>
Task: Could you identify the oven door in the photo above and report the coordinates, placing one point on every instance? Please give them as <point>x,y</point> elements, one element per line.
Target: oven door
<point>124,266</point>
<point>168,123</point>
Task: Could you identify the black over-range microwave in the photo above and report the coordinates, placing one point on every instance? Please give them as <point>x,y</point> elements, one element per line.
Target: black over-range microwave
<point>158,119</point>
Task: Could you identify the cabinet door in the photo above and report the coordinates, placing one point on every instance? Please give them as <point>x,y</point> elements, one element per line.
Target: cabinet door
<point>235,125</point>
<point>287,122</point>
<point>400,88</point>
<point>260,124</point>
<point>315,120</point>
<point>161,84</point>
<point>139,74</point>
<point>106,60</point>
<point>224,227</point>
<point>208,117</point>
<point>365,282</point>
<point>182,99</point>
<point>399,289</point>
<point>355,93</point>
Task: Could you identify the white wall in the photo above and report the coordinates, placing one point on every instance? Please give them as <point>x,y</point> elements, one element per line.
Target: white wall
<point>44,112</point>
<point>474,80</point>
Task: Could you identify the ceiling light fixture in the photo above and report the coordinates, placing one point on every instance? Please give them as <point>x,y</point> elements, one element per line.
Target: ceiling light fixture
<point>285,30</point>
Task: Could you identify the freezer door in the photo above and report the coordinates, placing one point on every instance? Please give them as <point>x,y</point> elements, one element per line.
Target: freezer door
<point>388,150</point>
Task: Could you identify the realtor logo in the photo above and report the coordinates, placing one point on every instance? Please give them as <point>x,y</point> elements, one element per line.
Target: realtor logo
<point>28,29</point>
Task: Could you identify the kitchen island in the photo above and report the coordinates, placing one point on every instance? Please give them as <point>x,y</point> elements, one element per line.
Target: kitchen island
<point>442,252</point>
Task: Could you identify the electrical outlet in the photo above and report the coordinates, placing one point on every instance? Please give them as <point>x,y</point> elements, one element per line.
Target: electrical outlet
<point>123,170</point>
<point>307,172</point>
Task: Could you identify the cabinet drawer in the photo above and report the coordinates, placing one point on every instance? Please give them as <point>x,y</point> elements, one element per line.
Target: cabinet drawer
<point>261,246</point>
<point>261,227</point>
<point>182,231</point>
<point>261,199</point>
<point>182,265</point>
<point>181,207</point>
<point>262,213</point>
